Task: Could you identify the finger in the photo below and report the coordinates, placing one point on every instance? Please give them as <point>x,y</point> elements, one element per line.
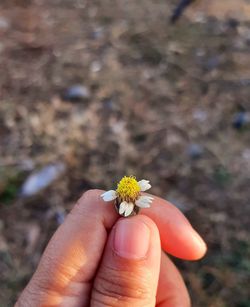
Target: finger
<point>71,258</point>
<point>172,291</point>
<point>177,235</point>
<point>129,271</point>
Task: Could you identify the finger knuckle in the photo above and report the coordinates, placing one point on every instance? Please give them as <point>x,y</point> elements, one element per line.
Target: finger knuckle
<point>121,288</point>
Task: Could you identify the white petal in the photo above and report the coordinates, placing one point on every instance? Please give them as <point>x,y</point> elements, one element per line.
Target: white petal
<point>109,195</point>
<point>129,209</point>
<point>144,201</point>
<point>144,185</point>
<point>146,198</point>
<point>123,207</point>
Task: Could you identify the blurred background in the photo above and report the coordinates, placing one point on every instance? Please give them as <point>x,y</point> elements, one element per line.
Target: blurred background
<point>93,90</point>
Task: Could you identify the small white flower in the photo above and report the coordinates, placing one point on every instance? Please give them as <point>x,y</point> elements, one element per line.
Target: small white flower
<point>128,196</point>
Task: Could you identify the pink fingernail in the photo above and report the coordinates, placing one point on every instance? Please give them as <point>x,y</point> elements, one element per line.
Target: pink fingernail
<point>132,239</point>
<point>197,238</point>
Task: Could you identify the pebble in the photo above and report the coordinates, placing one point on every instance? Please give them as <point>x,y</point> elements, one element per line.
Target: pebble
<point>195,151</point>
<point>200,115</point>
<point>60,217</point>
<point>212,63</point>
<point>241,120</point>
<point>40,180</point>
<point>77,93</point>
<point>4,24</point>
<point>246,154</point>
<point>233,23</point>
<point>109,104</point>
<point>95,66</point>
<point>97,33</point>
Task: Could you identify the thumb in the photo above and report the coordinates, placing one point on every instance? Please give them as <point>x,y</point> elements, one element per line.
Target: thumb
<point>129,271</point>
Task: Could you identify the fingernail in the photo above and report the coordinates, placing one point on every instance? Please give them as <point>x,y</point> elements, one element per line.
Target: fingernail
<point>131,239</point>
<point>199,241</point>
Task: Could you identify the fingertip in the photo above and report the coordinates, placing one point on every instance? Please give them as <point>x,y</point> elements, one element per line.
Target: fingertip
<point>135,236</point>
<point>131,239</point>
<point>199,247</point>
<point>131,264</point>
<point>183,242</point>
<point>178,237</point>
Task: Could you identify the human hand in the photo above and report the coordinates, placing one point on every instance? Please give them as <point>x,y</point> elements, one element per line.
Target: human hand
<point>96,258</point>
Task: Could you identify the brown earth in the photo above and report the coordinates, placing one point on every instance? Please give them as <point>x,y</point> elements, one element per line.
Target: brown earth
<point>160,105</point>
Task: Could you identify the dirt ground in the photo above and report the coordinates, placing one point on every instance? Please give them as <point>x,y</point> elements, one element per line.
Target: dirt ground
<point>169,103</point>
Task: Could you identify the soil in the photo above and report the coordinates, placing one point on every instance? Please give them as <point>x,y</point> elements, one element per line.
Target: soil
<point>165,102</point>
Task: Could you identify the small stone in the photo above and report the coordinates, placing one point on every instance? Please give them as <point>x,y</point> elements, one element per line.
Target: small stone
<point>195,151</point>
<point>200,115</point>
<point>241,120</point>
<point>77,93</point>
<point>218,217</point>
<point>33,233</point>
<point>60,216</point>
<point>97,33</point>
<point>212,63</point>
<point>109,104</point>
<point>40,180</point>
<point>246,154</point>
<point>233,23</point>
<point>4,24</point>
<point>95,66</point>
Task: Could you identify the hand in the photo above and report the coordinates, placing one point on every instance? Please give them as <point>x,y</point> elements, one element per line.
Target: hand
<point>98,259</point>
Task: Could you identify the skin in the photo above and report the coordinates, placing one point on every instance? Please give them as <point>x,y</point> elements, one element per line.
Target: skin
<point>89,261</point>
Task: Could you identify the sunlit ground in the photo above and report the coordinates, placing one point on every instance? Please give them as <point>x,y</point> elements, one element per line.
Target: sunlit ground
<point>165,102</point>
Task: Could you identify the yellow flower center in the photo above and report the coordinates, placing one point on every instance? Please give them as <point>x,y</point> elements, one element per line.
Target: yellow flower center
<point>128,189</point>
